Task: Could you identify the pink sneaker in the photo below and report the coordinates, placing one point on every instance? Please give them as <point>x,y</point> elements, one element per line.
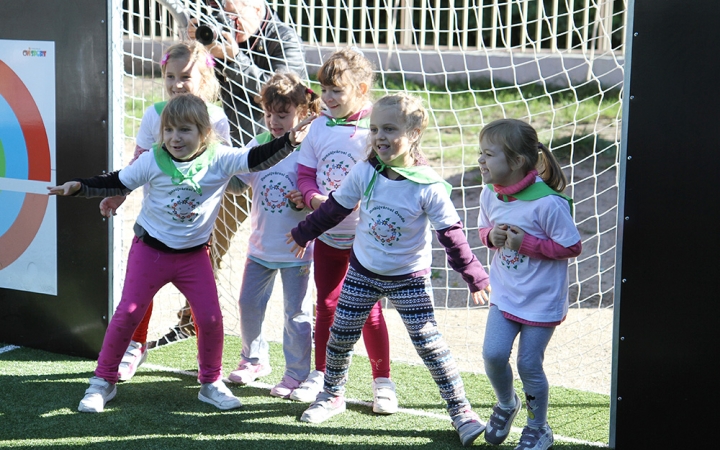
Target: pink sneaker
<point>285,387</point>
<point>247,372</point>
<point>135,355</point>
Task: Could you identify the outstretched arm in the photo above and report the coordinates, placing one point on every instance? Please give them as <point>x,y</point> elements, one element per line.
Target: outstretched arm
<point>327,216</point>
<point>104,185</point>
<point>464,262</point>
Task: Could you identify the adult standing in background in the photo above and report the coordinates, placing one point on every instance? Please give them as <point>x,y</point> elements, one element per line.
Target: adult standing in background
<point>259,45</point>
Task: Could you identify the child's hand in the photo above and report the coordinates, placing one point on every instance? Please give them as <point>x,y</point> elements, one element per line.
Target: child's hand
<point>317,201</point>
<point>296,197</point>
<point>498,235</point>
<point>68,188</point>
<point>515,237</point>
<point>296,248</point>
<point>109,205</point>
<point>298,133</point>
<point>481,297</point>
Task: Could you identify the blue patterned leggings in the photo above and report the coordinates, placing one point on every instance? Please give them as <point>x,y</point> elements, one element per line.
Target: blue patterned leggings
<point>414,302</point>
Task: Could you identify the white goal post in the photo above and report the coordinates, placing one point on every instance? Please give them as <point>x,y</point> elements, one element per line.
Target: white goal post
<point>556,64</point>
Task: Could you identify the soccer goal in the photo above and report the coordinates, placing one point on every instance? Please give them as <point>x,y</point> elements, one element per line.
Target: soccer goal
<point>556,64</point>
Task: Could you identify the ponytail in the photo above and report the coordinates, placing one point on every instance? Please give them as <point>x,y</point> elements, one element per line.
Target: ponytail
<point>549,169</point>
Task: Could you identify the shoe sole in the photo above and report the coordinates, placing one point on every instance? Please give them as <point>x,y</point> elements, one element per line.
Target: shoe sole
<point>88,410</point>
<point>309,419</point>
<point>302,397</point>
<point>239,380</point>
<point>386,411</point>
<point>202,398</point>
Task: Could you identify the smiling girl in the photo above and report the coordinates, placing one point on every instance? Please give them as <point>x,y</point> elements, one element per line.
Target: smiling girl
<point>185,178</point>
<point>400,197</point>
<point>333,146</point>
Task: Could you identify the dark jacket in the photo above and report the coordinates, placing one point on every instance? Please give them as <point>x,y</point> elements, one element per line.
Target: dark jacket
<point>275,47</point>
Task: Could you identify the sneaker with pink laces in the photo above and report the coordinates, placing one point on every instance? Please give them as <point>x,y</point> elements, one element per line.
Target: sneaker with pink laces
<point>285,387</point>
<point>135,355</point>
<point>248,372</point>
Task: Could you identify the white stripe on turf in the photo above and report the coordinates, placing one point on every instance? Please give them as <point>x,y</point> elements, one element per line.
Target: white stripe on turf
<point>352,401</point>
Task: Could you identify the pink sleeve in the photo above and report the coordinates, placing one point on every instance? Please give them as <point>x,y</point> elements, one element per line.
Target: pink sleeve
<point>307,183</point>
<point>485,237</point>
<point>548,249</point>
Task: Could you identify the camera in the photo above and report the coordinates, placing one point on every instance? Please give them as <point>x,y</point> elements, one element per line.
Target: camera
<point>210,29</point>
<point>207,33</point>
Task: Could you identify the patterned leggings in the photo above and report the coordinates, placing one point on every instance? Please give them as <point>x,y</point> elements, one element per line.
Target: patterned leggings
<point>413,300</point>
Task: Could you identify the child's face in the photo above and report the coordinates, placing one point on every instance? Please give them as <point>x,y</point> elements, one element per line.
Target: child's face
<point>182,77</point>
<point>182,140</point>
<point>389,138</point>
<point>280,122</point>
<point>494,165</point>
<point>343,100</point>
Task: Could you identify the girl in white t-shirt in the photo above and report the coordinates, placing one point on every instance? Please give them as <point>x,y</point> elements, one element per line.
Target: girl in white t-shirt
<point>400,197</point>
<point>187,68</point>
<point>286,100</point>
<point>333,146</point>
<point>528,222</point>
<point>184,180</point>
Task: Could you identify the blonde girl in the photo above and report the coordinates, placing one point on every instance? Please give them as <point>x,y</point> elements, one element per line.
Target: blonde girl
<point>528,222</point>
<point>286,100</point>
<point>334,145</point>
<point>187,68</point>
<point>400,197</point>
<point>185,179</point>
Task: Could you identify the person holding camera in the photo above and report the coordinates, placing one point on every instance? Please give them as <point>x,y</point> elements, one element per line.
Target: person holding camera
<point>250,43</point>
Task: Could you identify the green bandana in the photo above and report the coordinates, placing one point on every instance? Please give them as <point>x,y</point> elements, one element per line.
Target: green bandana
<point>416,174</point>
<point>168,167</point>
<point>535,191</point>
<point>360,123</point>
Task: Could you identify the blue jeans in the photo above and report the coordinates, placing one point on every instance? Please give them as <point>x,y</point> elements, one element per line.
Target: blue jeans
<point>257,286</point>
<point>500,333</point>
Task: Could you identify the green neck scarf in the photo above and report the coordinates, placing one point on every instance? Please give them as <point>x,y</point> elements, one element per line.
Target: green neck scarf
<point>360,119</point>
<point>165,162</point>
<point>416,174</point>
<point>535,191</point>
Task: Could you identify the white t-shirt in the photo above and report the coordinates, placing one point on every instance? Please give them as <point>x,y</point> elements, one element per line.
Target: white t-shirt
<point>532,289</point>
<point>332,152</point>
<point>149,131</point>
<point>393,234</point>
<point>176,215</point>
<point>271,216</point>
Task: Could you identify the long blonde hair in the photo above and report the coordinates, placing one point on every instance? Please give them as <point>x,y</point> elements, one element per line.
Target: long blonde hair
<point>195,52</point>
<point>519,140</point>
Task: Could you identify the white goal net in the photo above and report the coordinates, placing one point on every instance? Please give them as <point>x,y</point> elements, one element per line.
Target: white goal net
<point>557,64</point>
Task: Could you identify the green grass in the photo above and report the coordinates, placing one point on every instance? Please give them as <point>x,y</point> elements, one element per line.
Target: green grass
<point>159,409</point>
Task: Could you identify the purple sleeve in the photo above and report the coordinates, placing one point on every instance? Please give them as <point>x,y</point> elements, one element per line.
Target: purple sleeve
<point>461,258</point>
<point>548,249</point>
<point>307,183</point>
<point>325,217</point>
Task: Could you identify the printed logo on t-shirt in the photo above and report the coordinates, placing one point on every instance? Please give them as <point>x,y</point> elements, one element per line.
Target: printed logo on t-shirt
<point>511,259</point>
<point>183,207</point>
<point>334,168</point>
<point>273,193</point>
<point>386,230</point>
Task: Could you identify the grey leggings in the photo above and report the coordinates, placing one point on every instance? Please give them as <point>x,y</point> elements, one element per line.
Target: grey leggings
<point>500,333</point>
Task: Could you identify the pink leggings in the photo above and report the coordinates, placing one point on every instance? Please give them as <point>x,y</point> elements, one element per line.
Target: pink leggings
<point>331,266</point>
<point>148,270</point>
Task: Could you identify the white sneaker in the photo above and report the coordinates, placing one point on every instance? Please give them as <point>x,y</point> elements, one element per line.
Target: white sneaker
<point>135,355</point>
<point>384,399</point>
<point>309,389</point>
<point>325,407</point>
<point>97,395</point>
<point>218,395</point>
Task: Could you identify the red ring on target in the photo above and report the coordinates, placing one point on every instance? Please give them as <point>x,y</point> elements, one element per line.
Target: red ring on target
<point>27,223</point>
